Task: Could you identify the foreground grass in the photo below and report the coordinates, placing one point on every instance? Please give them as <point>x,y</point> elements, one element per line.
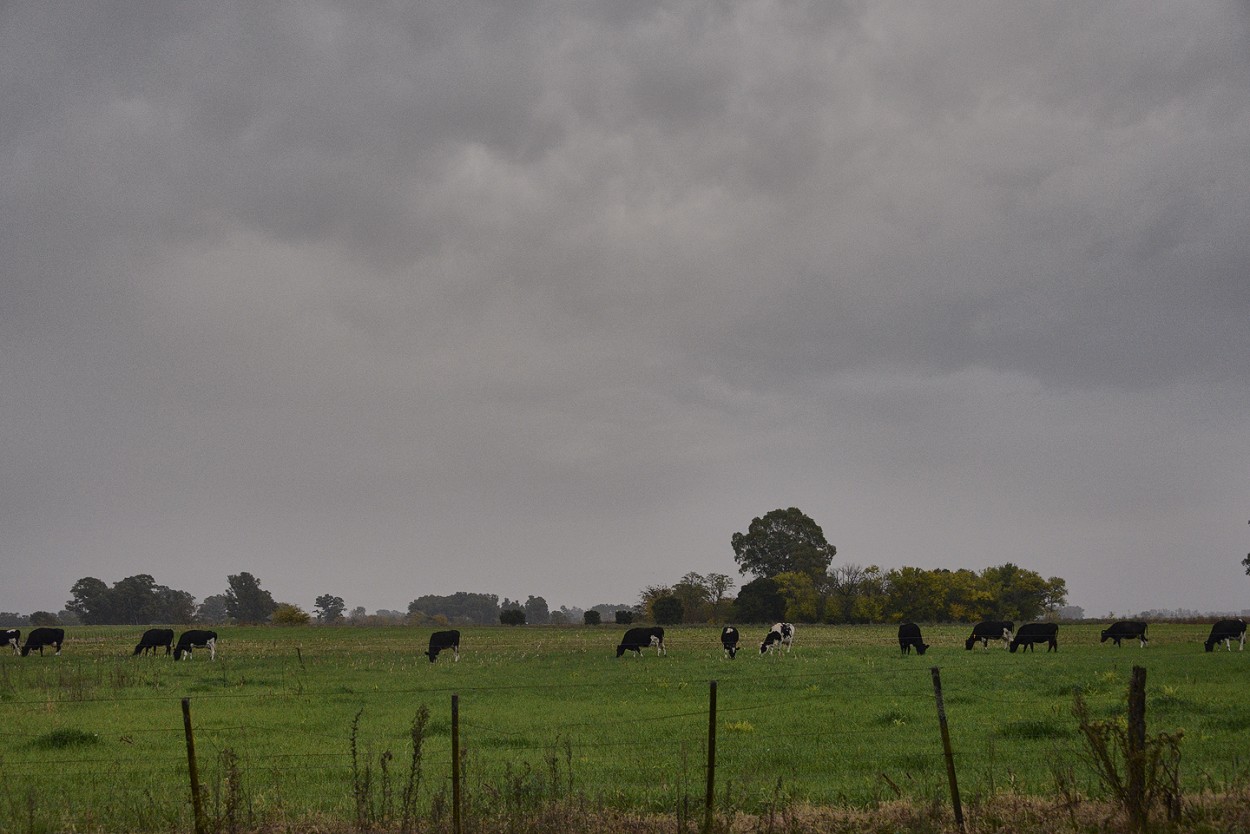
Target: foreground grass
<point>316,724</point>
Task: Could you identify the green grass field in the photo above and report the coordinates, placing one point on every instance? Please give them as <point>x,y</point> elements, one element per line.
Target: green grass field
<point>94,740</point>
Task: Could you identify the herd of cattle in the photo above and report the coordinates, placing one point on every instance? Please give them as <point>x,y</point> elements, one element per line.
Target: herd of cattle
<point>152,639</point>
<point>780,636</point>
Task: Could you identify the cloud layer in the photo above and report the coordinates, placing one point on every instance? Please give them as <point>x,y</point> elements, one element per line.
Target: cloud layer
<point>552,298</point>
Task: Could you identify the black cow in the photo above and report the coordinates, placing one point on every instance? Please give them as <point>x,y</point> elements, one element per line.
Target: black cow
<point>909,638</point>
<point>1125,630</point>
<point>11,637</point>
<point>781,634</point>
<point>153,639</point>
<point>440,640</point>
<point>729,639</point>
<point>988,630</point>
<point>1227,631</point>
<point>637,639</point>
<point>41,637</point>
<point>1031,633</point>
<point>194,639</point>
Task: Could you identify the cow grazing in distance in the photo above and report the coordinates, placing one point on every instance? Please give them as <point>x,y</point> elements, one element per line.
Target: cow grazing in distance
<point>1125,630</point>
<point>11,637</point>
<point>153,639</point>
<point>1226,631</point>
<point>909,638</point>
<point>781,634</point>
<point>195,639</point>
<point>41,637</point>
<point>988,630</point>
<point>441,640</point>
<point>1032,633</point>
<point>729,639</point>
<point>637,639</point>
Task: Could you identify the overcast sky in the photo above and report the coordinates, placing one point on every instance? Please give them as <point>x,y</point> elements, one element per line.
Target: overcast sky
<point>552,298</point>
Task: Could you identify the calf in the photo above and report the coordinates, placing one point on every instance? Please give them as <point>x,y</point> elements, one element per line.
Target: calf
<point>41,637</point>
<point>1125,629</point>
<point>1227,631</point>
<point>637,639</point>
<point>440,640</point>
<point>781,634</point>
<point>729,639</point>
<point>193,639</point>
<point>1031,633</point>
<point>988,630</point>
<point>11,637</point>
<point>153,639</point>
<point>909,638</point>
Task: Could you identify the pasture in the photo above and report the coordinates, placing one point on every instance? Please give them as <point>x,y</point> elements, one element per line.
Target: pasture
<point>316,723</point>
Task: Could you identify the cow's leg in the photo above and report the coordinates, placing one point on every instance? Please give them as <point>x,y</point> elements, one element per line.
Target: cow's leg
<point>1242,647</point>
<point>456,651</point>
<point>212,649</point>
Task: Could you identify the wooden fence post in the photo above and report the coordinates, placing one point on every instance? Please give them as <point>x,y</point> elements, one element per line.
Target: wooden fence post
<point>946,748</point>
<point>455,763</point>
<point>711,759</point>
<point>197,803</point>
<point>1137,749</point>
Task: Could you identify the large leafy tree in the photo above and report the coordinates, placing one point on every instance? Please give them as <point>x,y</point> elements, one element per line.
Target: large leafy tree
<point>329,608</point>
<point>537,612</point>
<point>91,601</point>
<point>246,601</point>
<point>783,541</point>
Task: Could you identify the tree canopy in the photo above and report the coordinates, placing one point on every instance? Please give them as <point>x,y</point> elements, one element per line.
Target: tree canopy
<point>783,541</point>
<point>135,600</point>
<point>246,601</point>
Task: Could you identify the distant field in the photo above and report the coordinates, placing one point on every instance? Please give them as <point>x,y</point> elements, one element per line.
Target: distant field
<point>843,720</point>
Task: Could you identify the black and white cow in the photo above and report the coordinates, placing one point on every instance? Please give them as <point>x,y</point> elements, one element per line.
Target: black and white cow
<point>909,638</point>
<point>441,640</point>
<point>781,634</point>
<point>1125,630</point>
<point>153,639</point>
<point>11,637</point>
<point>195,639</point>
<point>41,637</point>
<point>729,639</point>
<point>1032,633</point>
<point>637,639</point>
<point>1227,631</point>
<point>988,630</point>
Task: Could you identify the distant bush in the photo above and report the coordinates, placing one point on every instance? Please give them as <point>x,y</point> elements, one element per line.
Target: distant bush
<point>512,617</point>
<point>592,618</point>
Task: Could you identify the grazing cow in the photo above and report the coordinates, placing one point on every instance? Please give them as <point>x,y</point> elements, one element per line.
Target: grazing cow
<point>193,639</point>
<point>153,639</point>
<point>1125,630</point>
<point>41,637</point>
<point>1031,633</point>
<point>729,639</point>
<point>781,634</point>
<point>637,639</point>
<point>11,637</point>
<point>1227,631</point>
<point>440,640</point>
<point>990,630</point>
<point>909,638</point>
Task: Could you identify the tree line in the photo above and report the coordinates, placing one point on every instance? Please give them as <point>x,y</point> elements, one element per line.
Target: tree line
<point>785,552</point>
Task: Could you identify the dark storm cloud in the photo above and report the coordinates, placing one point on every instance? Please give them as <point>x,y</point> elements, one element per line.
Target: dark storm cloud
<point>332,294</point>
